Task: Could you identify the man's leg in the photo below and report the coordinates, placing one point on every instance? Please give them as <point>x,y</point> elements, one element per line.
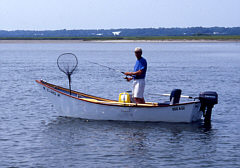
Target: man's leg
<point>138,90</point>
<point>139,100</point>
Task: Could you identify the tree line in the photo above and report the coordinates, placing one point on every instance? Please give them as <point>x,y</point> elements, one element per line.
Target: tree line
<point>138,32</point>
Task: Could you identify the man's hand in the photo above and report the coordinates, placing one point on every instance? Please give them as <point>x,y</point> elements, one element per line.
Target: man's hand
<point>127,73</point>
<point>128,79</point>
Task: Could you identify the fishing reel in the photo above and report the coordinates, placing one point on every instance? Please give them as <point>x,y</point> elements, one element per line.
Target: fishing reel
<point>128,78</point>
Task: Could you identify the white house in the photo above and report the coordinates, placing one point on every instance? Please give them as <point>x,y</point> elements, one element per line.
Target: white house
<point>116,33</point>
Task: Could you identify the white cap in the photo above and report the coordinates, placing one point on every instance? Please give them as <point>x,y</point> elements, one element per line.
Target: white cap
<point>138,49</point>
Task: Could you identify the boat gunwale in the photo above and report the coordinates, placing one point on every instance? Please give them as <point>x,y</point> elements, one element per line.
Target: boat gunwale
<point>106,100</point>
<point>59,88</point>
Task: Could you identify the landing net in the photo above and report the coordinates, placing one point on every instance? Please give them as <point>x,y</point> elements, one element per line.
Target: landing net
<point>67,63</point>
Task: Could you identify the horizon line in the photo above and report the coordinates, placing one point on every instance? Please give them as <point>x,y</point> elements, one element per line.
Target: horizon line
<point>120,28</point>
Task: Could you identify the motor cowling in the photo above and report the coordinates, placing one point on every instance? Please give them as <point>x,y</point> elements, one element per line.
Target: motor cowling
<point>208,99</point>
<point>175,96</point>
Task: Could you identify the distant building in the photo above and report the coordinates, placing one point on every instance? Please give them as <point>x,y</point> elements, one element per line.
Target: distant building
<point>116,33</point>
<point>38,34</point>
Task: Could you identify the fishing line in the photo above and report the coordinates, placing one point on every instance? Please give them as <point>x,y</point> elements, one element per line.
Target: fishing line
<point>107,67</point>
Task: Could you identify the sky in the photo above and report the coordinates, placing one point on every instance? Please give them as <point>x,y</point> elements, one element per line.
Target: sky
<point>113,14</point>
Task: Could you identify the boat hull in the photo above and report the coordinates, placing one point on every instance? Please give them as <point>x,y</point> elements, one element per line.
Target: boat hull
<point>72,106</point>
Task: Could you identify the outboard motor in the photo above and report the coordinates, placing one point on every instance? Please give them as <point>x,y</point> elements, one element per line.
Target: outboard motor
<point>208,100</point>
<point>175,96</point>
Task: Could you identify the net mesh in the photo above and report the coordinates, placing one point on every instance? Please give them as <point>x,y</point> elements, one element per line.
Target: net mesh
<point>67,63</point>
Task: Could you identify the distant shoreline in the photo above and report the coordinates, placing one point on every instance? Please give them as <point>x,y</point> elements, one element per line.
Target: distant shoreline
<point>124,39</point>
<point>121,39</point>
<point>117,41</point>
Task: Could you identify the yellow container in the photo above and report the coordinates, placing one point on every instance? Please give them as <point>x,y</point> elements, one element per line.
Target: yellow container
<point>124,97</point>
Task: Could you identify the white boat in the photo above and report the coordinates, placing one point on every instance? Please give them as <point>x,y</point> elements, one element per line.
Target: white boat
<point>86,106</point>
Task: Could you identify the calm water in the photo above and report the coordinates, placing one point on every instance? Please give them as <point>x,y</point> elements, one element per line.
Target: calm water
<point>32,135</point>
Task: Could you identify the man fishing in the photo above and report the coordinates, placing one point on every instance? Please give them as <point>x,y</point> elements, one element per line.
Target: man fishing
<point>138,76</point>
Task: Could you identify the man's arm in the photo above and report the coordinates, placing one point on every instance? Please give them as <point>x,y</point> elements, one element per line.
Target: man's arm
<point>139,72</point>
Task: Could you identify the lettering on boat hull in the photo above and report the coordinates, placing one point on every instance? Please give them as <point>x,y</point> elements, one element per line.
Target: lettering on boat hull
<point>51,91</point>
<point>180,108</point>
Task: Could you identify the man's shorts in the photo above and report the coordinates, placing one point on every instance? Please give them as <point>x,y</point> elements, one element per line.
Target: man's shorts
<point>138,88</point>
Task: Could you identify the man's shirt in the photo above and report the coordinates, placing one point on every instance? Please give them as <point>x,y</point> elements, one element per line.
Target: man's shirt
<point>141,64</point>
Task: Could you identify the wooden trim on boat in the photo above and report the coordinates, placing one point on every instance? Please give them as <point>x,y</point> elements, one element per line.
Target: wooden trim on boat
<point>75,92</point>
<point>102,101</point>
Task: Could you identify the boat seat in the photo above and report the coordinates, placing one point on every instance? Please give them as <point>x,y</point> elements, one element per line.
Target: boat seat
<point>91,100</point>
<point>149,104</point>
<point>164,103</point>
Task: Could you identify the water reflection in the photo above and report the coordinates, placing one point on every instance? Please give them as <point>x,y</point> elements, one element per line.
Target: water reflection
<point>142,142</point>
<point>135,130</point>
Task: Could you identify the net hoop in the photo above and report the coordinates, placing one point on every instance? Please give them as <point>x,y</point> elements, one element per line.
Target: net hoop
<point>64,66</point>
<point>67,63</point>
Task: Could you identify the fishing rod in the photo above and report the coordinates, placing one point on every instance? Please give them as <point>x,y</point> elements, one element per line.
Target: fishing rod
<point>107,67</point>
